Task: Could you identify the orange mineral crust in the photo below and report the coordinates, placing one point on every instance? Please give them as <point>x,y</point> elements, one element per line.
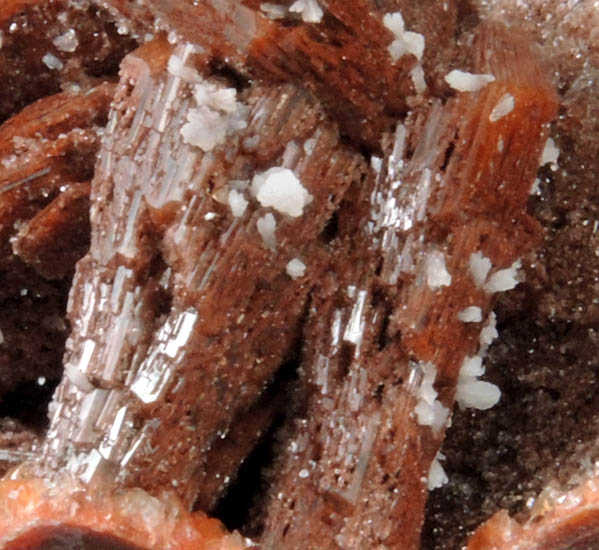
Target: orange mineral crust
<point>38,514</point>
<point>559,520</point>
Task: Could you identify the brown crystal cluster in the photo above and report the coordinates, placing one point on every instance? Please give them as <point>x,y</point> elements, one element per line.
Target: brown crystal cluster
<point>284,228</point>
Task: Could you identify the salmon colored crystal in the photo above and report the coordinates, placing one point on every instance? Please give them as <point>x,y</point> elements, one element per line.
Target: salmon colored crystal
<point>36,514</point>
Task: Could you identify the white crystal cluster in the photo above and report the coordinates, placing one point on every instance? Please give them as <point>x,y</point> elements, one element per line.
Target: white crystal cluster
<point>310,10</point>
<point>405,42</point>
<point>282,190</point>
<point>216,115</point>
<point>429,410</point>
<point>472,392</point>
<point>500,280</point>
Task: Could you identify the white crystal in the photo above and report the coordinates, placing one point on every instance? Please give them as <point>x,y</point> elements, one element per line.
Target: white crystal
<point>474,393</point>
<point>477,394</point>
<point>467,82</point>
<point>471,314</point>
<point>176,66</point>
<point>436,475</point>
<point>78,378</point>
<point>489,332</point>
<point>417,76</point>
<point>429,410</point>
<point>273,11</point>
<point>67,42</point>
<point>550,153</point>
<point>504,107</point>
<point>52,62</point>
<point>436,271</point>
<point>479,266</point>
<point>266,226</point>
<point>237,203</point>
<point>296,268</point>
<point>280,188</point>
<point>504,279</point>
<point>217,115</point>
<point>309,9</point>
<point>472,367</point>
<point>405,41</point>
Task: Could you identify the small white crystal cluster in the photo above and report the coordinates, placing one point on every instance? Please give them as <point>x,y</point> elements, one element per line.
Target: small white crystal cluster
<point>282,190</point>
<point>277,188</point>
<point>216,115</point>
<point>429,410</point>
<point>406,42</point>
<point>436,475</point>
<point>500,281</point>
<point>472,392</point>
<point>309,10</point>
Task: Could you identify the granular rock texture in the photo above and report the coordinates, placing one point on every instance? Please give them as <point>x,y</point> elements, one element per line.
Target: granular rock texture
<point>47,45</point>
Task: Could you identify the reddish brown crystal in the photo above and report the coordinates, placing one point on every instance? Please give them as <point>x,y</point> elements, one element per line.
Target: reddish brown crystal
<point>170,263</point>
<point>354,473</point>
<point>47,153</point>
<point>181,313</point>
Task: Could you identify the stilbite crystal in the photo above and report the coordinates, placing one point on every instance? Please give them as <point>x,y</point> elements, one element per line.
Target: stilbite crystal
<point>164,286</point>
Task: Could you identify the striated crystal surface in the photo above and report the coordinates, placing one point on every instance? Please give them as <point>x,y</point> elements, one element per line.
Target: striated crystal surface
<point>180,315</point>
<point>47,153</point>
<point>354,473</point>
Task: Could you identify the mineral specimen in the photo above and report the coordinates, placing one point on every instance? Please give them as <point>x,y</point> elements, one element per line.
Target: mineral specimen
<point>304,181</point>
